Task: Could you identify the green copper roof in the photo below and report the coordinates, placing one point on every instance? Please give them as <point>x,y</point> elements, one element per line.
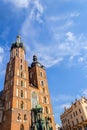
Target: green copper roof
<point>38,106</point>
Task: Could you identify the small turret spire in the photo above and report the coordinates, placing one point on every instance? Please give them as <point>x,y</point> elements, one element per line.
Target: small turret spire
<point>35,59</point>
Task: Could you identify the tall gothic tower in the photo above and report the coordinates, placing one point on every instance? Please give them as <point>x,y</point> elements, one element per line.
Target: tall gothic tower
<point>25,101</point>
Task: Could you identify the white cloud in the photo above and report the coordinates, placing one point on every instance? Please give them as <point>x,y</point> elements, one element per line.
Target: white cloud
<point>60,46</point>
<point>1,59</point>
<point>70,36</point>
<point>84,92</point>
<point>38,5</point>
<point>72,47</point>
<point>63,17</point>
<point>33,15</point>
<point>66,105</point>
<point>62,98</point>
<point>1,50</point>
<point>81,59</point>
<point>19,3</point>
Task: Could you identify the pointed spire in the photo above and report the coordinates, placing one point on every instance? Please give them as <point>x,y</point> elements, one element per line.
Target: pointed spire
<point>35,59</point>
<point>18,43</point>
<point>18,39</point>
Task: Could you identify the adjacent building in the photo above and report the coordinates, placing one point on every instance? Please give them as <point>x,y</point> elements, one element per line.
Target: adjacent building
<point>58,127</point>
<point>75,117</point>
<point>25,100</point>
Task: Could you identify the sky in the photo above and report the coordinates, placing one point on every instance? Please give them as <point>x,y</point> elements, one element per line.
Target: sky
<point>56,31</point>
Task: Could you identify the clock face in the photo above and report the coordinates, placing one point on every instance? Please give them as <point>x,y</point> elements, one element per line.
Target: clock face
<point>34,99</point>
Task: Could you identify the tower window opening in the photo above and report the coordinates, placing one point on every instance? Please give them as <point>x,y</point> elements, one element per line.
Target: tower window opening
<point>47,111</point>
<point>42,83</point>
<point>19,116</point>
<point>21,75</point>
<point>22,127</point>
<point>41,74</point>
<point>22,83</point>
<point>44,100</point>
<point>25,117</point>
<point>22,95</point>
<point>16,52</point>
<point>21,60</point>
<point>22,105</point>
<point>21,67</point>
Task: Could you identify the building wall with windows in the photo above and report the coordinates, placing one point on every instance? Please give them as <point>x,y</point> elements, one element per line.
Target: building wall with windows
<point>75,117</point>
<point>25,87</point>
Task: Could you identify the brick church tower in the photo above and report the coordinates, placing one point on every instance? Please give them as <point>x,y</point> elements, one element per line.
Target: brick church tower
<point>25,100</point>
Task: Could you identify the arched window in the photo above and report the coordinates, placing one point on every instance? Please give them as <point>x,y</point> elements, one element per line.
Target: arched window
<point>42,83</point>
<point>21,67</point>
<point>44,100</point>
<point>22,83</point>
<point>47,111</point>
<point>22,105</point>
<point>34,99</point>
<point>19,116</point>
<point>21,75</point>
<point>25,117</point>
<point>22,95</point>
<point>22,127</point>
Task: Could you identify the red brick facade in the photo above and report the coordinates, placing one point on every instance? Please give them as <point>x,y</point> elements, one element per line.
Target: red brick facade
<point>24,88</point>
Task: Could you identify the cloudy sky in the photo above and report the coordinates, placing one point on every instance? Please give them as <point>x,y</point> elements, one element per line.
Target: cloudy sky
<point>56,31</point>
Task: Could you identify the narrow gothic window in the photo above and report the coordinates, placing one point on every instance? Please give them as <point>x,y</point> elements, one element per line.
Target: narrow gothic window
<point>19,116</point>
<point>25,117</point>
<point>21,83</point>
<point>22,127</point>
<point>21,67</point>
<point>82,118</point>
<point>22,105</point>
<point>34,99</point>
<point>21,60</point>
<point>41,74</point>
<point>22,94</point>
<point>44,100</point>
<point>42,83</point>
<point>21,75</point>
<point>47,111</point>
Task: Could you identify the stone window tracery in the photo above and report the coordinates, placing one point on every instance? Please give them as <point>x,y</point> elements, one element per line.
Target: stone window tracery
<point>34,99</point>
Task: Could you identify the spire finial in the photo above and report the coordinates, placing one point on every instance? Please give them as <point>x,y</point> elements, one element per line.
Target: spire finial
<point>18,39</point>
<point>35,58</point>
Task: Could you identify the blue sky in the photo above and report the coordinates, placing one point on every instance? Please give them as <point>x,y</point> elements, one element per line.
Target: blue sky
<point>54,30</point>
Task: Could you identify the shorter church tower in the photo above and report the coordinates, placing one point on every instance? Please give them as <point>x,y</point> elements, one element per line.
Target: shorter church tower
<point>25,100</point>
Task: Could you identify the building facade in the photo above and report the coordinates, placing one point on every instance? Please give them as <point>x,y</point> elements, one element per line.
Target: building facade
<point>58,127</point>
<point>75,117</point>
<point>25,101</point>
